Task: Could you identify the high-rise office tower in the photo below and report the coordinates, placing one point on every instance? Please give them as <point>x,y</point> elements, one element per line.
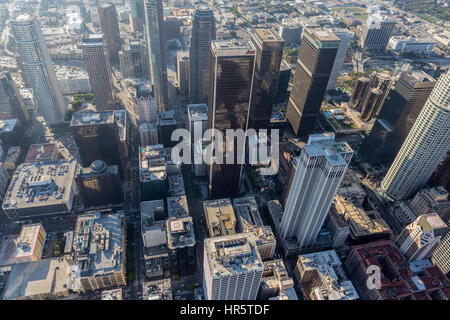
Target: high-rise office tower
<point>183,71</point>
<point>12,105</point>
<point>321,167</point>
<point>232,267</point>
<point>441,177</point>
<point>134,60</point>
<point>137,18</point>
<point>362,83</point>
<point>181,243</point>
<point>396,117</point>
<point>156,46</point>
<point>419,239</point>
<point>283,82</point>
<point>5,177</point>
<point>231,81</point>
<point>99,185</point>
<point>110,29</point>
<point>371,104</point>
<point>377,32</point>
<point>345,36</point>
<point>99,71</point>
<point>269,53</point>
<point>441,256</point>
<point>424,147</point>
<point>146,104</point>
<point>39,67</point>
<point>202,33</point>
<point>98,136</point>
<point>315,61</point>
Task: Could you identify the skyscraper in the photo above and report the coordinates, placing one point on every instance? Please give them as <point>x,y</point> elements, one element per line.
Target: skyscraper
<point>157,50</point>
<point>136,16</point>
<point>362,83</point>
<point>371,104</point>
<point>232,267</point>
<point>202,33</point>
<point>134,60</point>
<point>315,61</point>
<point>99,71</point>
<point>321,167</point>
<point>231,81</point>
<point>98,136</point>
<point>425,146</point>
<point>396,117</point>
<point>419,239</point>
<point>39,67</point>
<point>345,36</point>
<point>441,256</point>
<point>99,185</point>
<point>377,32</point>
<point>11,102</point>
<point>183,71</point>
<point>110,29</point>
<point>269,53</point>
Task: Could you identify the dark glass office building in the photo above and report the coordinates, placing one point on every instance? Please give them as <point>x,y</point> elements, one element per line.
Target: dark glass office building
<point>98,135</point>
<point>231,75</point>
<point>315,62</point>
<point>99,185</point>
<point>396,117</point>
<point>269,53</point>
<point>283,82</point>
<point>202,32</point>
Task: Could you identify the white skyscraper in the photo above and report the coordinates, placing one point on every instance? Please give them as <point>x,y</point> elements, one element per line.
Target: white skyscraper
<point>321,167</point>
<point>232,267</point>
<point>39,67</point>
<point>425,146</point>
<point>346,37</point>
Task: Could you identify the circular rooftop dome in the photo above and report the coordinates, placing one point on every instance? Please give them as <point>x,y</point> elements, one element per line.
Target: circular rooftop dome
<point>98,166</point>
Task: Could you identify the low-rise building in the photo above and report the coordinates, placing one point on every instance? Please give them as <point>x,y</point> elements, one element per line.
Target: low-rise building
<point>399,279</point>
<point>38,280</point>
<point>11,157</point>
<point>115,294</point>
<point>42,152</point>
<point>99,252</point>
<point>411,45</point>
<point>182,245</point>
<point>157,290</point>
<point>275,281</point>
<point>219,216</point>
<point>40,189</point>
<point>320,277</point>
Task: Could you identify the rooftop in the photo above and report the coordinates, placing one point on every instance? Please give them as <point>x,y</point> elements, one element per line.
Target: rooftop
<point>93,39</point>
<point>323,145</point>
<point>177,207</point>
<point>322,35</point>
<point>198,112</point>
<point>155,163</point>
<point>276,276</point>
<point>267,35</point>
<point>38,278</point>
<point>41,152</point>
<point>247,213</point>
<point>29,239</point>
<point>359,221</point>
<point>103,117</point>
<point>180,233</point>
<point>330,281</point>
<point>232,254</point>
<point>176,185</point>
<point>157,290</point>
<point>7,125</point>
<point>98,244</point>
<point>40,184</point>
<point>232,47</point>
<point>220,218</point>
<point>115,294</point>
